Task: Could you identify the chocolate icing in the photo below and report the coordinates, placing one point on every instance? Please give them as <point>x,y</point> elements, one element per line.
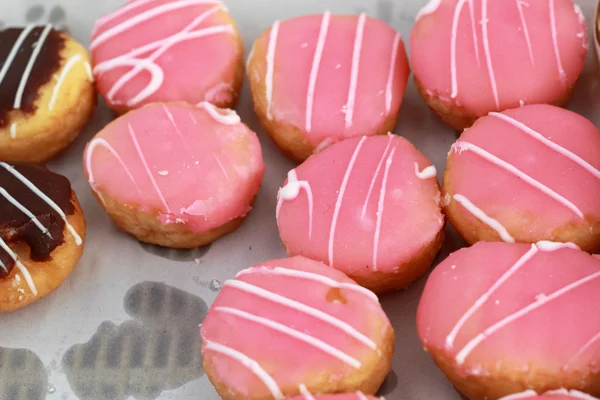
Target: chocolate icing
<point>46,64</point>
<point>16,226</point>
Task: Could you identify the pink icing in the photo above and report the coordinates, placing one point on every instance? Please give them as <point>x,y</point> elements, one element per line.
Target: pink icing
<point>194,165</point>
<point>494,55</point>
<point>506,311</point>
<point>290,306</point>
<point>149,50</point>
<point>372,197</point>
<point>333,77</point>
<point>560,394</point>
<point>349,396</point>
<point>556,148</point>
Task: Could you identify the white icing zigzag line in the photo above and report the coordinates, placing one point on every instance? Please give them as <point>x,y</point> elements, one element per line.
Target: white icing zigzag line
<point>380,207</point>
<point>20,266</point>
<point>520,4</point>
<point>303,337</point>
<point>271,67</point>
<point>45,198</point>
<point>70,64</point>
<point>375,175</point>
<point>13,52</point>
<point>361,396</point>
<point>310,276</point>
<point>301,307</point>
<point>523,395</point>
<point>462,146</point>
<point>486,48</point>
<point>358,41</point>
<point>230,117</point>
<point>477,340</point>
<point>483,217</point>
<point>172,121</point>
<point>338,203</point>
<point>25,211</point>
<point>390,80</point>
<point>427,173</point>
<point>428,9</point>
<point>454,38</point>
<point>561,71</point>
<point>583,349</point>
<point>541,138</point>
<point>485,297</point>
<point>314,72</point>
<point>249,363</point>
<point>34,55</point>
<point>147,168</point>
<point>291,191</point>
<point>573,393</point>
<point>305,393</point>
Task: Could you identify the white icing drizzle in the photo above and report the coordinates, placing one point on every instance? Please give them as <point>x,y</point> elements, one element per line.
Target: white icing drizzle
<point>314,71</point>
<point>548,246</point>
<point>375,175</point>
<point>520,4</point>
<point>361,396</point>
<point>462,146</point>
<point>13,130</point>
<point>303,337</point>
<point>301,307</point>
<point>358,41</point>
<point>595,339</point>
<point>390,81</point>
<point>454,38</point>
<point>271,66</point>
<point>573,393</point>
<point>541,138</point>
<point>483,217</point>
<point>249,363</point>
<point>380,207</point>
<point>486,48</point>
<point>323,145</point>
<point>147,168</point>
<point>427,173</point>
<point>45,198</point>
<point>172,121</point>
<point>540,301</point>
<point>293,273</point>
<point>428,9</point>
<point>338,202</point>
<point>305,393</point>
<point>70,64</point>
<point>34,55</point>
<point>25,211</point>
<point>20,266</point>
<point>223,116</point>
<point>523,395</point>
<point>13,52</point>
<point>561,71</point>
<point>88,71</point>
<point>222,167</point>
<point>291,191</point>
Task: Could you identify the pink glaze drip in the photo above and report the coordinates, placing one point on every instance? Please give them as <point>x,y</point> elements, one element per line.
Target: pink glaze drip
<point>502,313</point>
<point>533,52</point>
<point>147,51</point>
<point>199,171</point>
<point>548,155</point>
<point>363,207</point>
<point>331,76</point>
<point>289,309</point>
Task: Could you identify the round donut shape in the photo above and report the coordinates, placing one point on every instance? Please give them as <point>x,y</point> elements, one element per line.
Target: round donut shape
<point>526,175</point>
<point>471,57</point>
<point>501,318</point>
<point>176,175</point>
<point>47,91</point>
<point>293,326</point>
<point>369,207</point>
<point>167,51</point>
<point>320,79</point>
<point>42,233</point>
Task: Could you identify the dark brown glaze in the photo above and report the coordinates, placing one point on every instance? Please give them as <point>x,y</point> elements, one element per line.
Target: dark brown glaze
<point>16,226</point>
<point>45,66</point>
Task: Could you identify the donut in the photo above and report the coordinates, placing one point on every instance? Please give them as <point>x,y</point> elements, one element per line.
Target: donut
<point>176,174</point>
<point>320,79</point>
<point>47,91</point>
<point>42,232</point>
<point>294,326</point>
<point>560,394</point>
<point>471,57</point>
<point>306,395</point>
<point>367,206</point>
<point>501,318</point>
<point>526,175</point>
<point>168,51</point>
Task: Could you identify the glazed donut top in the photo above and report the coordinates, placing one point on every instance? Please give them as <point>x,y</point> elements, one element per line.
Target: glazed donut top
<point>29,58</point>
<point>34,204</point>
<point>146,44</point>
<point>332,76</point>
<point>560,394</point>
<point>493,55</point>
<point>477,316</point>
<point>306,395</point>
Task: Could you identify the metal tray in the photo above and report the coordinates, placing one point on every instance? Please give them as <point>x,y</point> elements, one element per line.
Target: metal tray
<point>125,323</point>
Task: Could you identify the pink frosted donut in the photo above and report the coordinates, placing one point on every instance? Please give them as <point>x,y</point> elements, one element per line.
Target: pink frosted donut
<point>501,318</point>
<point>320,79</point>
<point>167,50</point>
<point>560,394</point>
<point>369,207</point>
<point>526,175</point>
<point>353,396</point>
<point>295,326</point>
<point>471,57</point>
<point>174,174</point>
